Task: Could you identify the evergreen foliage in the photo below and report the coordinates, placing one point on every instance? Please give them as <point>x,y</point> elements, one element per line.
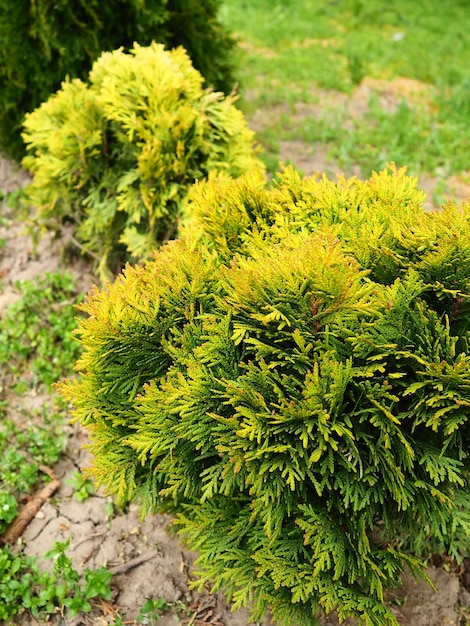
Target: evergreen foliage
<point>42,43</point>
<point>291,381</point>
<point>118,155</point>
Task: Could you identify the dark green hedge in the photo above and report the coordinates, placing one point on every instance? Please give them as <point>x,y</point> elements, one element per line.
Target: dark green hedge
<point>42,42</point>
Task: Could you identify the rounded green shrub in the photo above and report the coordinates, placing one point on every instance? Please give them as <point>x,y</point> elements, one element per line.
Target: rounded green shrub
<point>117,156</point>
<point>291,381</point>
<point>41,43</point>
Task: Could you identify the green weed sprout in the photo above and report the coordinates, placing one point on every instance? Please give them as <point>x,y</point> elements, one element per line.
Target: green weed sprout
<point>24,587</point>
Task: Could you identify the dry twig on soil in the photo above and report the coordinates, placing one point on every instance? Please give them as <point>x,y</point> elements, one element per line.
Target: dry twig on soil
<point>17,527</point>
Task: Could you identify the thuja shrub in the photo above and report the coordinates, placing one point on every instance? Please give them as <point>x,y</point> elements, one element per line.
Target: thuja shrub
<point>41,43</point>
<point>291,381</point>
<point>116,156</point>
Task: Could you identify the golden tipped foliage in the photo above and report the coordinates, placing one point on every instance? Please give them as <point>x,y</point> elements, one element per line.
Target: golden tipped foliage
<point>291,381</point>
<point>117,156</point>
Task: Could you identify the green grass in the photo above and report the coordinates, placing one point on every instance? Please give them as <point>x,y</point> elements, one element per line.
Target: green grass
<point>22,453</point>
<point>300,40</point>
<point>318,53</point>
<point>407,136</point>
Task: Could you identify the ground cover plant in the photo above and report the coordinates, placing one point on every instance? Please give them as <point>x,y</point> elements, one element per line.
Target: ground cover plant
<point>116,156</point>
<point>42,44</point>
<point>35,349</point>
<point>24,586</point>
<point>290,380</point>
<point>35,335</point>
<point>365,82</point>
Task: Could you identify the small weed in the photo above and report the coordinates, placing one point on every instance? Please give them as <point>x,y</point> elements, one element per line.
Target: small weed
<point>83,487</point>
<point>14,200</point>
<point>8,510</point>
<point>24,588</point>
<point>152,609</point>
<point>109,510</point>
<point>36,331</point>
<point>22,452</point>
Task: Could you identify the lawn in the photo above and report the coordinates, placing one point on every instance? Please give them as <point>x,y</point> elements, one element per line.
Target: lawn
<point>352,85</point>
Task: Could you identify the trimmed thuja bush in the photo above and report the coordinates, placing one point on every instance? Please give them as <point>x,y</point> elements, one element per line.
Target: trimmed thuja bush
<point>117,156</point>
<point>41,43</point>
<point>291,381</point>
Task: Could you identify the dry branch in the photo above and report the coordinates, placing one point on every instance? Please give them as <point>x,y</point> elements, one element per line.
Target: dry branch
<point>17,527</point>
<point>125,567</point>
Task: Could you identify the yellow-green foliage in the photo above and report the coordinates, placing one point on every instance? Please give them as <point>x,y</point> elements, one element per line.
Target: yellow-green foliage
<point>291,380</point>
<point>116,156</point>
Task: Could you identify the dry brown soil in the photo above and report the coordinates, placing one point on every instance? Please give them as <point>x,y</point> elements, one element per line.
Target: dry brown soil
<point>149,563</point>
